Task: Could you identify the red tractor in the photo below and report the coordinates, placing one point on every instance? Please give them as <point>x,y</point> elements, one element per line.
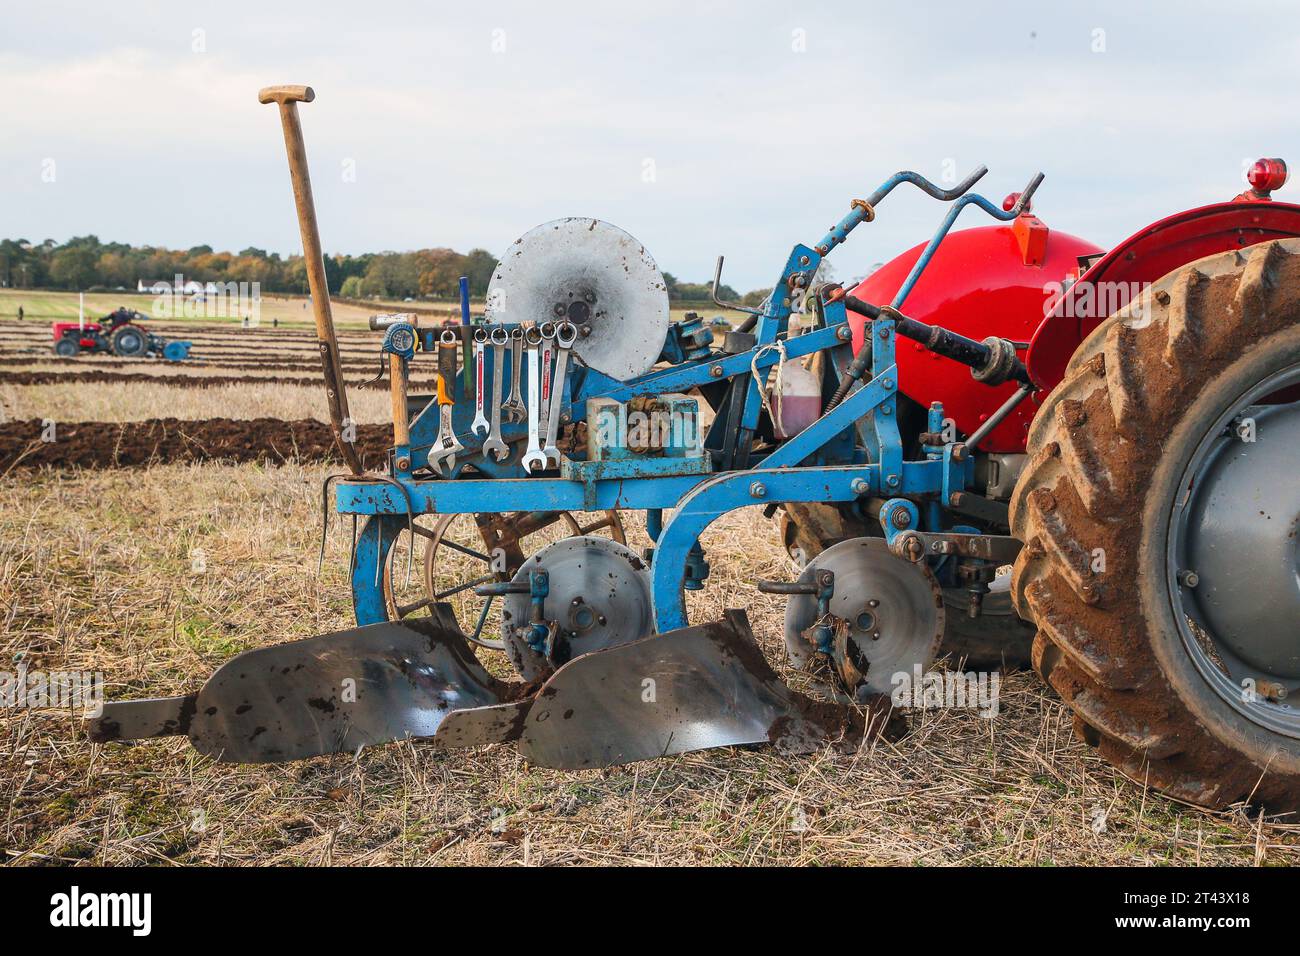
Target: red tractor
<point>1158,588</point>
<point>116,333</point>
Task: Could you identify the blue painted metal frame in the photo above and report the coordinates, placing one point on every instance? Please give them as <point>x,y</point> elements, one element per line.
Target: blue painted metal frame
<point>799,470</point>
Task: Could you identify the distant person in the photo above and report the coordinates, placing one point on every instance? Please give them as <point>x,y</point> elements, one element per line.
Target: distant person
<point>20,313</point>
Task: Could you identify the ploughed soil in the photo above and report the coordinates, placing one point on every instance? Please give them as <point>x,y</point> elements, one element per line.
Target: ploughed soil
<point>133,444</point>
<point>184,381</point>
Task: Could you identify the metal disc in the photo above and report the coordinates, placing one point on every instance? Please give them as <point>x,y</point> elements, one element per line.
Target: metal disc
<point>901,630</point>
<point>1242,543</point>
<point>594,274</point>
<point>599,597</point>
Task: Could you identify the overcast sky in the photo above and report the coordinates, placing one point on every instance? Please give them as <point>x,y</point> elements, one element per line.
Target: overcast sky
<point>700,127</point>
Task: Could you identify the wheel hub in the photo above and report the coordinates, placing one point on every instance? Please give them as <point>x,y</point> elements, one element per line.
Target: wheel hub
<point>1234,562</point>
<point>1242,543</point>
<point>888,615</point>
<point>598,597</point>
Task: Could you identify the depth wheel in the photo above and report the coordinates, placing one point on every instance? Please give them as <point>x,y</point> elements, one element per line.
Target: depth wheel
<point>462,551</point>
<point>995,640</point>
<point>1159,513</point>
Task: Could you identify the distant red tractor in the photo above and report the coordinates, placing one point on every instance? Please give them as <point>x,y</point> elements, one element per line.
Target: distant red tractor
<point>117,333</point>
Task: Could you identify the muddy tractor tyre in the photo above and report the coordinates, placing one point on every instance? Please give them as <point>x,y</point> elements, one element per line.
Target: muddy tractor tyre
<point>1160,559</point>
<point>130,341</point>
<point>67,347</point>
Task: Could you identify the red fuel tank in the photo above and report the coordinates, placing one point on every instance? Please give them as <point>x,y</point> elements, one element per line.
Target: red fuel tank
<point>991,280</point>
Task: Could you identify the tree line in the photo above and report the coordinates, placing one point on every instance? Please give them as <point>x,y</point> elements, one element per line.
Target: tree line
<point>84,264</point>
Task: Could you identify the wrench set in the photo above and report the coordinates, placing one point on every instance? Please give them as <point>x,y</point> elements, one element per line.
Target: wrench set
<point>536,357</point>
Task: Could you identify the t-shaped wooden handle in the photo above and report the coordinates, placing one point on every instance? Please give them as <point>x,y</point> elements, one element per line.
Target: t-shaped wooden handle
<point>288,98</point>
<point>286,94</point>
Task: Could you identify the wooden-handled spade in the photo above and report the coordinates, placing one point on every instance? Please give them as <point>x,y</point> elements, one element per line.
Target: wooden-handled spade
<point>288,98</point>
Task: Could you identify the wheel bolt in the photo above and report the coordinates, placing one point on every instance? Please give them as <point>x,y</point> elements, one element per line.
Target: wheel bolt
<point>1189,579</point>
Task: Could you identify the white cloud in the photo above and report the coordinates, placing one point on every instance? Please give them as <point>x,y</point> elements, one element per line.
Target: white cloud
<point>754,146</point>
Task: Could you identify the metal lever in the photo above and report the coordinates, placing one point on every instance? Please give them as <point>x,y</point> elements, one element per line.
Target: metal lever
<point>723,304</point>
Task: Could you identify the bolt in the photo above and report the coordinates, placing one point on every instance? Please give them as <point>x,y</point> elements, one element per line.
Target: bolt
<point>403,463</point>
<point>803,260</point>
<point>959,452</point>
<point>875,635</point>
<point>888,383</point>
<point>844,333</point>
<point>884,333</point>
<point>1189,579</point>
<point>591,298</point>
<point>716,371</point>
<point>873,603</point>
<point>558,308</point>
<point>901,517</point>
<point>893,481</point>
<point>584,330</point>
<point>860,486</point>
<point>757,490</point>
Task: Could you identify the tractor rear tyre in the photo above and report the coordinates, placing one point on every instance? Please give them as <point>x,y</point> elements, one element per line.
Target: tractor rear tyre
<point>1159,512</point>
<point>130,342</point>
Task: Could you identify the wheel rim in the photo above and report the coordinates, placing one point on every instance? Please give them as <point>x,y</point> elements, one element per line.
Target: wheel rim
<point>1233,561</point>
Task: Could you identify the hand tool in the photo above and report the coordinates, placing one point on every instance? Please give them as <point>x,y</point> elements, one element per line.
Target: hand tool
<point>513,408</point>
<point>443,455</point>
<point>533,457</point>
<point>494,446</point>
<point>566,333</point>
<point>547,349</point>
<point>288,98</point>
<point>480,424</point>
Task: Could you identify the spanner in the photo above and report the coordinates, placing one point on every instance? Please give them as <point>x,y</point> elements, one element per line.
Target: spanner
<point>513,409</point>
<point>548,355</point>
<point>479,425</point>
<point>447,445</point>
<point>566,333</point>
<point>494,446</point>
<point>533,456</point>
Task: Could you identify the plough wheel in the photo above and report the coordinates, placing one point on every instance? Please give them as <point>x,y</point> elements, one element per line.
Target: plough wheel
<point>994,640</point>
<point>1159,513</point>
<point>463,551</point>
